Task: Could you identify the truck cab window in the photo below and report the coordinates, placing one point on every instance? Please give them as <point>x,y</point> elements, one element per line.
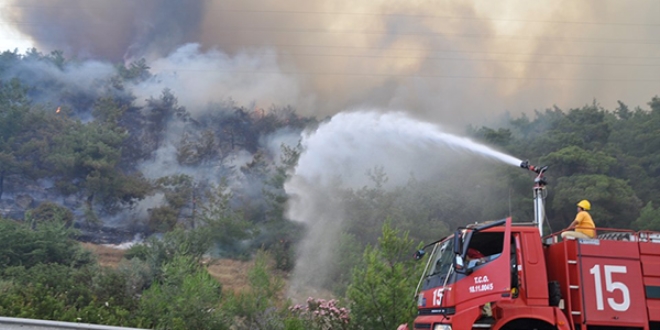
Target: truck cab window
<point>441,268</point>
<point>484,247</point>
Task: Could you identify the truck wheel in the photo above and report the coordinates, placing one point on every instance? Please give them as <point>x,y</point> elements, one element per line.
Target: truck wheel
<point>528,324</point>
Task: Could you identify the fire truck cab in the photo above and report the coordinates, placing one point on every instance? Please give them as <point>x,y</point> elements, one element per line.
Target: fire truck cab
<point>503,275</point>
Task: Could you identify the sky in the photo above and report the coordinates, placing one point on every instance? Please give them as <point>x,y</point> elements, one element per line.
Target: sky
<point>450,61</point>
<point>10,38</point>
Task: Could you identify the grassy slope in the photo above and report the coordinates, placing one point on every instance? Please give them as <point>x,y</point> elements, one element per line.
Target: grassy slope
<point>232,274</point>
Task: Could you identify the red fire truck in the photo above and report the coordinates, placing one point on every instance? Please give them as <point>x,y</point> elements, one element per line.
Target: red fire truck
<point>505,275</point>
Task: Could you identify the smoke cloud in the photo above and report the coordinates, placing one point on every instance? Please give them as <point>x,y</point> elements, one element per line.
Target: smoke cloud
<point>199,78</point>
<point>449,61</point>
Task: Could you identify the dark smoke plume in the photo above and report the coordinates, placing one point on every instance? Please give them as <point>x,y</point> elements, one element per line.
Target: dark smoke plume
<point>110,30</point>
<point>449,61</point>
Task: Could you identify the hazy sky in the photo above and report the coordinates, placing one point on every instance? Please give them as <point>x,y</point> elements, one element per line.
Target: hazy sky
<point>447,61</point>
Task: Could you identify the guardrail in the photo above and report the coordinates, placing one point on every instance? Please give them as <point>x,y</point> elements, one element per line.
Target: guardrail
<point>12,323</point>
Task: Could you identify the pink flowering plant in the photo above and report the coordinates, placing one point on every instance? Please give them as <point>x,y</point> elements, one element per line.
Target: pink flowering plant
<point>320,314</point>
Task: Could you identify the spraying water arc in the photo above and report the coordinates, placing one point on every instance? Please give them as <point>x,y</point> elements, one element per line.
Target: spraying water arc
<point>345,147</point>
<point>371,138</point>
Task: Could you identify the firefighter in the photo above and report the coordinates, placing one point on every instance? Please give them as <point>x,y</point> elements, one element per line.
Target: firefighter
<point>583,226</point>
<point>474,254</point>
<point>475,258</point>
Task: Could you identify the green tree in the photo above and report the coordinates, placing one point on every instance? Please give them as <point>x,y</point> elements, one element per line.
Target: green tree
<point>614,203</point>
<point>59,292</point>
<point>179,191</point>
<point>160,112</point>
<point>636,145</point>
<point>162,219</point>
<point>369,206</point>
<point>501,136</point>
<point>108,110</point>
<point>157,252</point>
<point>136,71</point>
<point>85,159</point>
<point>8,60</point>
<point>50,212</point>
<point>649,218</point>
<point>57,58</point>
<point>348,254</point>
<point>228,226</point>
<point>191,151</point>
<point>14,108</point>
<point>238,131</point>
<point>250,195</point>
<point>274,193</point>
<point>277,233</point>
<point>253,308</point>
<point>381,293</point>
<point>51,242</point>
<point>187,297</point>
<point>575,160</point>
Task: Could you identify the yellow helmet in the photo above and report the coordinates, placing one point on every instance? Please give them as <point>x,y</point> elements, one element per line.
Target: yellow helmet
<point>584,204</point>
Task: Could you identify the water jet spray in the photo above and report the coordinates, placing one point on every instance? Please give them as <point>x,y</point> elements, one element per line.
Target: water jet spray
<point>338,153</point>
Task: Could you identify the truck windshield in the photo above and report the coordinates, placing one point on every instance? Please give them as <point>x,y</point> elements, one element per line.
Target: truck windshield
<point>440,268</point>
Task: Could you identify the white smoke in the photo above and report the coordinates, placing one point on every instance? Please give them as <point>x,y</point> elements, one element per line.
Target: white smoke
<point>72,78</point>
<point>198,78</point>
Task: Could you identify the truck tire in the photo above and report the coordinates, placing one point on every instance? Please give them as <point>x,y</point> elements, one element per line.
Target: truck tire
<point>528,324</point>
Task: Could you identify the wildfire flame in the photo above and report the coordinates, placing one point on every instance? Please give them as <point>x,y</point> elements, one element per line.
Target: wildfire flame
<point>58,110</point>
<point>258,112</point>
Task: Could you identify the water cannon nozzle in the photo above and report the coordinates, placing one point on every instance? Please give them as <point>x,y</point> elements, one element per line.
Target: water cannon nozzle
<point>536,169</point>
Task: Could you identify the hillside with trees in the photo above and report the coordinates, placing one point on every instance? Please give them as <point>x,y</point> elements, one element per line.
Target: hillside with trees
<point>81,155</point>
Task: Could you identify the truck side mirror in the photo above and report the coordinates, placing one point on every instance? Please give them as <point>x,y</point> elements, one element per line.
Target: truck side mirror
<point>458,243</point>
<point>419,254</point>
<point>459,264</point>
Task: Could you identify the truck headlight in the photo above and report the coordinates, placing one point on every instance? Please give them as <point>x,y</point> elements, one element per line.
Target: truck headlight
<point>442,327</point>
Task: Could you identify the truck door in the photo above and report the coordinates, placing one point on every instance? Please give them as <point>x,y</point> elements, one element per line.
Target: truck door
<point>489,278</point>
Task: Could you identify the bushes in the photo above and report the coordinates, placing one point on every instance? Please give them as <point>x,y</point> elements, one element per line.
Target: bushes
<point>318,314</point>
<point>49,212</point>
<point>45,274</point>
<point>259,307</point>
<point>186,298</point>
<point>59,292</point>
<point>164,285</point>
<point>157,252</point>
<point>49,243</point>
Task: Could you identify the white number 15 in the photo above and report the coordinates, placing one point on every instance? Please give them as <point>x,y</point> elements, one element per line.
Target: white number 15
<point>610,286</point>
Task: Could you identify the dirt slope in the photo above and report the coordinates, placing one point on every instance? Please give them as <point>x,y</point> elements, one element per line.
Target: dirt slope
<point>232,274</point>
